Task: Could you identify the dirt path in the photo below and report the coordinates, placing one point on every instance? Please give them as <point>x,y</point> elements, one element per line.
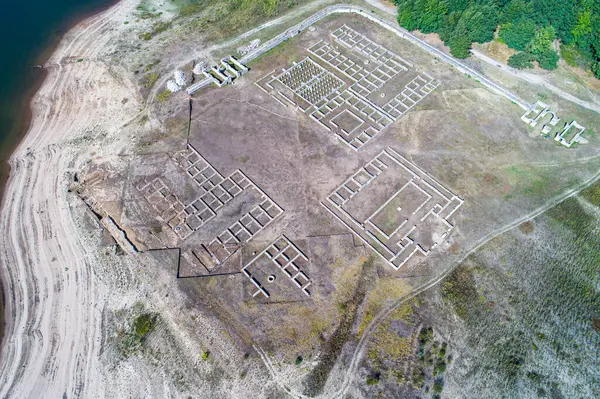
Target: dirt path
<point>358,354</point>
<point>537,80</point>
<point>522,75</point>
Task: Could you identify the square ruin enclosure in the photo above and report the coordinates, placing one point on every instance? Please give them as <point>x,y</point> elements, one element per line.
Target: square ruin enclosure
<point>350,85</point>
<point>394,207</point>
<point>278,273</point>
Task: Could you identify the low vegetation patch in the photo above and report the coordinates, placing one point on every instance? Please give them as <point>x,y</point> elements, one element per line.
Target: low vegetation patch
<point>150,79</point>
<point>592,194</point>
<point>132,340</point>
<point>157,27</point>
<point>315,382</point>
<point>163,96</point>
<point>526,227</point>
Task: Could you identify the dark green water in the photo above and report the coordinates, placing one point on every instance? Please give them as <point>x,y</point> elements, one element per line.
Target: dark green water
<point>29,30</point>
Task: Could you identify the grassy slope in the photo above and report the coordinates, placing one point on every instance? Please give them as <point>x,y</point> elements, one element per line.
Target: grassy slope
<point>521,317</point>
<point>526,305</point>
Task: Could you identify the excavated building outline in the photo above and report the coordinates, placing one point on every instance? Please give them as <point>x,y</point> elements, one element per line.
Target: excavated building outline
<point>287,258</point>
<point>325,96</point>
<point>398,245</point>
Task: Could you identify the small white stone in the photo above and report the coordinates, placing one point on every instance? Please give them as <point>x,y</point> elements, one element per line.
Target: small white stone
<point>172,86</point>
<point>199,67</point>
<point>180,77</point>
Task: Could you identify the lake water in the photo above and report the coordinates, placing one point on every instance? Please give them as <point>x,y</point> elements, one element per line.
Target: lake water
<point>28,32</point>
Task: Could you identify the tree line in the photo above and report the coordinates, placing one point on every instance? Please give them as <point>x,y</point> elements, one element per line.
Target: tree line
<point>528,26</point>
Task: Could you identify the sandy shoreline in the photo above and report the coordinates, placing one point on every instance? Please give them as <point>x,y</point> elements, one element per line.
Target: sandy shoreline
<point>11,144</point>
<point>61,287</point>
<point>36,223</point>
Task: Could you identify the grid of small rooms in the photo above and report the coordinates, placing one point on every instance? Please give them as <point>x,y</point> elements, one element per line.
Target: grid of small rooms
<point>215,191</point>
<point>287,258</point>
<point>361,73</point>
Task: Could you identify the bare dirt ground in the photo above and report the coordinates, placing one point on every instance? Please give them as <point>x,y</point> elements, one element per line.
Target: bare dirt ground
<point>89,253</point>
<point>63,289</point>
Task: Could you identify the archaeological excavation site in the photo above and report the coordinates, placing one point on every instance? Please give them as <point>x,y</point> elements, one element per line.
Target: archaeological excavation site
<point>324,205</point>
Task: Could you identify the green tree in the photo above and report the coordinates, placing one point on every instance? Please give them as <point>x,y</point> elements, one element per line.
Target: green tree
<point>432,18</point>
<point>596,69</point>
<point>582,32</point>
<point>521,60</point>
<point>517,35</point>
<point>408,16</point>
<point>548,60</point>
<point>460,43</point>
<point>516,10</point>
<point>542,40</point>
<point>558,13</point>
<point>448,26</point>
<point>457,5</point>
<point>481,22</point>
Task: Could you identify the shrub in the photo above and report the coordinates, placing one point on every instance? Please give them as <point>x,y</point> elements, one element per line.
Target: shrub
<point>596,69</point>
<point>299,360</point>
<point>443,350</point>
<point>133,340</point>
<point>542,40</point>
<point>205,355</point>
<point>440,368</point>
<point>533,376</point>
<point>373,379</point>
<point>548,60</point>
<point>143,325</point>
<point>150,79</point>
<point>438,386</point>
<point>521,60</point>
<point>163,96</point>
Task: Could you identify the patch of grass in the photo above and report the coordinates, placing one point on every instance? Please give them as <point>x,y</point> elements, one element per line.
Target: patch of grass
<point>143,325</point>
<point>592,194</point>
<point>144,12</point>
<point>460,291</point>
<point>151,65</point>
<point>157,27</point>
<point>575,57</point>
<point>384,291</point>
<point>386,343</point>
<point>220,19</point>
<point>132,341</point>
<point>315,382</point>
<point>373,379</point>
<point>571,214</point>
<point>163,96</point>
<point>150,79</point>
<point>544,313</point>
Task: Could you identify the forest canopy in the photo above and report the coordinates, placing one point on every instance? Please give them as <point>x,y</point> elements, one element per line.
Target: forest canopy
<point>528,26</point>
